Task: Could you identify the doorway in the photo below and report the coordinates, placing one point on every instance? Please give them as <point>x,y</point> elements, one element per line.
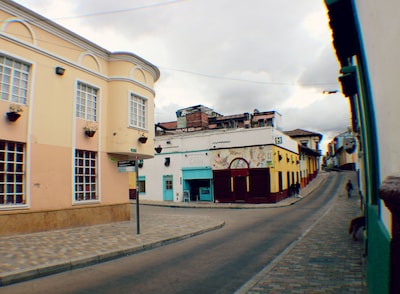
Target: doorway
<point>239,188</point>
<point>168,188</point>
<point>200,190</point>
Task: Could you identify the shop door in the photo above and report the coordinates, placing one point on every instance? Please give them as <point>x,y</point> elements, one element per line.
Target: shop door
<point>240,188</point>
<point>168,189</point>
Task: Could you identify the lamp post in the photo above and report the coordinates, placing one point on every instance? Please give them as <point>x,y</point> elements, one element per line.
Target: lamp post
<point>137,197</point>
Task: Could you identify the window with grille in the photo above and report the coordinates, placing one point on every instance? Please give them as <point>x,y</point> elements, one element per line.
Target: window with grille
<point>85,175</point>
<point>137,111</point>
<point>12,170</point>
<point>168,185</point>
<point>14,76</point>
<point>86,102</point>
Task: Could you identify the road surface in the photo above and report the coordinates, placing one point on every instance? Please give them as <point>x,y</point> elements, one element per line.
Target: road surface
<point>220,261</point>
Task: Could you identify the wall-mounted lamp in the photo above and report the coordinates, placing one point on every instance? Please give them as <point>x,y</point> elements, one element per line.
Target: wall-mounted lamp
<point>60,71</point>
<point>167,161</point>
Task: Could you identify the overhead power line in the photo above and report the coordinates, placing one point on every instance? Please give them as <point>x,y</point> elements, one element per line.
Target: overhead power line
<point>110,11</point>
<point>120,10</point>
<point>211,76</point>
<point>242,80</point>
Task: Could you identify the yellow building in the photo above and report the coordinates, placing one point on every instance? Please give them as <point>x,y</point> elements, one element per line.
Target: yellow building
<point>71,111</point>
<point>309,153</point>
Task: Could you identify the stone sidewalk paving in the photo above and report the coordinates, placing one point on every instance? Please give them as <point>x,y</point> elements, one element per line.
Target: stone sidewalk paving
<point>29,256</point>
<point>324,260</point>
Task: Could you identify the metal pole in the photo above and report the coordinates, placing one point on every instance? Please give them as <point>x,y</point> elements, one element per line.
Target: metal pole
<point>137,198</point>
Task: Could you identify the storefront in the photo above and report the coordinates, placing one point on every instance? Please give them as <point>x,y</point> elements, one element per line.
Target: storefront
<point>197,184</point>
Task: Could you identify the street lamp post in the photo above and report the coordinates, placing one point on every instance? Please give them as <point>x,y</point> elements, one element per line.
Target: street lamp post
<point>137,198</point>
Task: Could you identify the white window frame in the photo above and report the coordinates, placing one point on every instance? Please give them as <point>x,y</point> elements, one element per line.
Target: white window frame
<point>12,174</point>
<point>86,101</point>
<point>14,80</point>
<point>137,111</point>
<point>85,176</point>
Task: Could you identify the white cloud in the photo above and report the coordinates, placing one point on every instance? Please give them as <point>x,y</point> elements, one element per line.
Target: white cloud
<point>283,46</point>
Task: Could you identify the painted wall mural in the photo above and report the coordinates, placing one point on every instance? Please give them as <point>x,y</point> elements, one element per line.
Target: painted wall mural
<point>257,157</point>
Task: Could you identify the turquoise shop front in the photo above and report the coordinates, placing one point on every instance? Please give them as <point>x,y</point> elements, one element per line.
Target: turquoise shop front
<point>197,184</point>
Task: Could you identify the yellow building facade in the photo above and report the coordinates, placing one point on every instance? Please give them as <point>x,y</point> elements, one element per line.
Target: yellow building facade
<point>81,110</point>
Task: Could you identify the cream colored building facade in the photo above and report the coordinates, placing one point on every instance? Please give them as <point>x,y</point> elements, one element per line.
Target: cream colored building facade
<point>52,173</point>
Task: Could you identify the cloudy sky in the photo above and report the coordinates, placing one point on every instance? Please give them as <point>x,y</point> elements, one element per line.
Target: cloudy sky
<point>230,55</point>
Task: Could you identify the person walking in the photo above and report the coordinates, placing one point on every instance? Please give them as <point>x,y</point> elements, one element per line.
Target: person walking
<point>297,187</point>
<point>293,190</point>
<point>349,188</point>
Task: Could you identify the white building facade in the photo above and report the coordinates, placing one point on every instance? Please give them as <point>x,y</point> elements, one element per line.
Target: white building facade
<point>222,165</point>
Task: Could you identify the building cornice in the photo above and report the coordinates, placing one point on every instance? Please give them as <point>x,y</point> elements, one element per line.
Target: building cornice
<point>128,80</point>
<point>72,64</point>
<point>26,15</point>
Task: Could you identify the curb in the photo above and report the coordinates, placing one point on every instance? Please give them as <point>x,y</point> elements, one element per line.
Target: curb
<point>261,274</point>
<point>50,269</point>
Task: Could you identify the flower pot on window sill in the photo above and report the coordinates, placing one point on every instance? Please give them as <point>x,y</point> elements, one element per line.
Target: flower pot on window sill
<point>90,133</point>
<point>158,149</point>
<point>13,116</point>
<point>142,139</point>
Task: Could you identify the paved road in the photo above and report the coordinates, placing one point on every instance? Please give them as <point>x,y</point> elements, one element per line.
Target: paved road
<point>217,262</point>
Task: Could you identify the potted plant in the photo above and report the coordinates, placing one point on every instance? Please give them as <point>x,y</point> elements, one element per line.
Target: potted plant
<point>142,139</point>
<point>158,149</point>
<point>90,129</point>
<point>14,112</point>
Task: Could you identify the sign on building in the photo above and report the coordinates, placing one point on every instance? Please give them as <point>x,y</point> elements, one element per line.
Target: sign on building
<point>126,166</point>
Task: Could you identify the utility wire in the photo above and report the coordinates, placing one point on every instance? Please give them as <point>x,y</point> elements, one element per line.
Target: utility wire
<point>242,80</point>
<point>210,76</point>
<point>174,69</point>
<point>107,12</point>
<point>120,10</point>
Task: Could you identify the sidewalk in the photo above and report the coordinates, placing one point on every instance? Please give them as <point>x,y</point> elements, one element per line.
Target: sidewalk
<point>28,256</point>
<point>324,260</point>
<point>337,262</point>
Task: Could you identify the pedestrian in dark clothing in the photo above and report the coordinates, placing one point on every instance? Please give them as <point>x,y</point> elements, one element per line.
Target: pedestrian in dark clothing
<point>349,188</point>
<point>297,187</point>
<point>293,190</point>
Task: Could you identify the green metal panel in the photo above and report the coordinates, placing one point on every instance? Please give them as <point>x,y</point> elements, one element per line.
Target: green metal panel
<point>378,266</point>
<point>197,173</point>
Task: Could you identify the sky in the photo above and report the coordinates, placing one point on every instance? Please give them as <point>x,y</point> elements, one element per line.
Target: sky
<point>232,56</point>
